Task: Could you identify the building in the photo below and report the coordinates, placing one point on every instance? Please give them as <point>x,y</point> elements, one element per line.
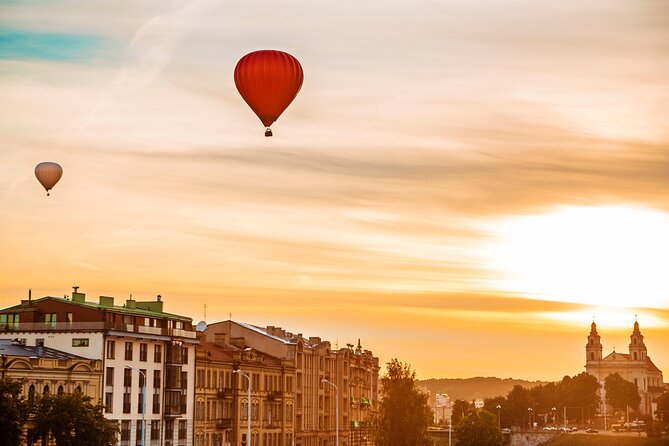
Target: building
<point>310,371</point>
<point>635,366</point>
<point>221,396</point>
<point>46,370</point>
<point>137,343</point>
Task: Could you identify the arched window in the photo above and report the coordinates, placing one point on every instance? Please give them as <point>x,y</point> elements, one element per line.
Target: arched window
<point>79,389</point>
<point>45,391</point>
<point>592,356</point>
<point>635,358</point>
<point>31,392</point>
<point>60,390</point>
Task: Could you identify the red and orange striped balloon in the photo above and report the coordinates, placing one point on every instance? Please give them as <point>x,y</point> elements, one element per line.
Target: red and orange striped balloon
<point>268,80</point>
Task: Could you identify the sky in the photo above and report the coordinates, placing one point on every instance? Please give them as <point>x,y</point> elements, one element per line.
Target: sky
<point>462,184</point>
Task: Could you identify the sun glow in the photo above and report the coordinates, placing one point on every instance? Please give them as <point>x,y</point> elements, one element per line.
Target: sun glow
<point>610,256</point>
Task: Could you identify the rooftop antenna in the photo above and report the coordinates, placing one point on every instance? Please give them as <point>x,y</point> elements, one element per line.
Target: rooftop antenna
<point>205,312</point>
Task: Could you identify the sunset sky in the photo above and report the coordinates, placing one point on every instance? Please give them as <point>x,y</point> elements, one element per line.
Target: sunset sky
<point>460,184</point>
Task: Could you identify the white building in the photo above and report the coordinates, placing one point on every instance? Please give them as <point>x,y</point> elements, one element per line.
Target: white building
<point>134,337</point>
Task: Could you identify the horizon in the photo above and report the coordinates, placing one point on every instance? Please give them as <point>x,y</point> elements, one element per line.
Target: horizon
<point>463,186</point>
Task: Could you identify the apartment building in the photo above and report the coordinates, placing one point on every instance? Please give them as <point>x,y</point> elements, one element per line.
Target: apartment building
<point>138,345</point>
<point>319,373</point>
<point>221,396</point>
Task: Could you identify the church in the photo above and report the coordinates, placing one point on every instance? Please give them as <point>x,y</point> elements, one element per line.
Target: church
<point>635,366</point>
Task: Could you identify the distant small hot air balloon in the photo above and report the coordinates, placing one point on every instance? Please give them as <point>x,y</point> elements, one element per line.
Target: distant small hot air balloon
<point>48,173</point>
<point>268,80</point>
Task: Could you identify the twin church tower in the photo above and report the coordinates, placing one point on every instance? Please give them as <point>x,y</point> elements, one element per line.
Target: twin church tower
<point>635,366</point>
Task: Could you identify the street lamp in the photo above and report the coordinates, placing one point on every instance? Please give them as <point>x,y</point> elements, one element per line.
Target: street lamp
<point>529,416</point>
<point>336,409</point>
<point>553,409</point>
<point>248,422</point>
<point>143,398</point>
<point>499,417</point>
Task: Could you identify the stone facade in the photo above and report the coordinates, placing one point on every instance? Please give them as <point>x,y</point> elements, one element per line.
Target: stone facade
<point>635,366</point>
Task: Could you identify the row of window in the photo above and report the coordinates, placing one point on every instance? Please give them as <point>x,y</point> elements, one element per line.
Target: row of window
<point>212,379</point>
<point>272,412</point>
<point>152,430</point>
<point>176,354</point>
<point>268,439</point>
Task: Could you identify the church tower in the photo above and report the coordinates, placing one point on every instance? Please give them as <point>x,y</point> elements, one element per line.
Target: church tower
<point>593,349</point>
<point>638,350</point>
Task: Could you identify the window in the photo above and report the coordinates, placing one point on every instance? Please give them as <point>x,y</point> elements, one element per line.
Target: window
<point>11,320</point>
<point>111,347</point>
<point>138,435</point>
<point>125,430</point>
<point>143,348</point>
<point>68,317</point>
<point>592,356</point>
<point>128,351</point>
<point>109,376</point>
<point>155,429</point>
<point>50,319</point>
<point>126,402</point>
<point>80,342</point>
<point>156,379</point>
<point>157,353</point>
<point>156,401</point>
<point>39,342</point>
<point>185,355</point>
<point>169,429</point>
<point>182,429</point>
<point>127,377</point>
<point>109,397</point>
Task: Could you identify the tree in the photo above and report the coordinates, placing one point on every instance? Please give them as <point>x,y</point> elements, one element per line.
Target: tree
<point>13,412</point>
<point>72,420</point>
<point>490,404</point>
<point>518,402</point>
<point>460,409</point>
<point>621,393</point>
<point>404,414</point>
<point>478,428</point>
<point>663,407</point>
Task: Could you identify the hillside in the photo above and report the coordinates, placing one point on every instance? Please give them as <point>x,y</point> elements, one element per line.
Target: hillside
<point>472,388</point>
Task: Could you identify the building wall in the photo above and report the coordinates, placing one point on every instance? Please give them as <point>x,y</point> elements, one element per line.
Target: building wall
<point>63,341</point>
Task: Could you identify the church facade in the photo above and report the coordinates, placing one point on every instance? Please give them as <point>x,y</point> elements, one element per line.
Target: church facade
<point>635,366</point>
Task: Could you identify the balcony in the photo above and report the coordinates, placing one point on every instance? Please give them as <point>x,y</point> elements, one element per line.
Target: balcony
<point>224,393</point>
<point>271,424</point>
<point>95,326</point>
<point>274,395</point>
<point>224,423</point>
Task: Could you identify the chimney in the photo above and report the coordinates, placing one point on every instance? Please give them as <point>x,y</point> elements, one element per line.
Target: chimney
<point>30,295</point>
<point>159,297</point>
<point>130,303</point>
<point>106,301</point>
<point>77,296</point>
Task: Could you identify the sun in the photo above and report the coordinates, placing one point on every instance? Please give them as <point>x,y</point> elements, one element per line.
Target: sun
<point>605,256</point>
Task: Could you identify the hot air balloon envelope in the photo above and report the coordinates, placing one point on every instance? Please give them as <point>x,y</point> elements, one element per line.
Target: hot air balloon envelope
<point>48,173</point>
<point>268,80</point>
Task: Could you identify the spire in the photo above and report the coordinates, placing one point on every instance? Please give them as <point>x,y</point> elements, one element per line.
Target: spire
<point>593,327</point>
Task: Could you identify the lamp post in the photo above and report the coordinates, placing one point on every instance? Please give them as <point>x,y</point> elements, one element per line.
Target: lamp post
<point>529,416</point>
<point>248,421</point>
<point>499,417</point>
<point>143,399</point>
<point>553,409</point>
<point>336,409</point>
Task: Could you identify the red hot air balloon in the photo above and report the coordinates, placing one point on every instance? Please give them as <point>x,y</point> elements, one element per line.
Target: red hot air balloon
<point>268,80</point>
<point>48,174</point>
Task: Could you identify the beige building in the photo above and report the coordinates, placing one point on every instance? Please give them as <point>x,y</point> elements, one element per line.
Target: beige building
<point>309,364</point>
<point>635,366</point>
<point>221,396</point>
<point>46,370</point>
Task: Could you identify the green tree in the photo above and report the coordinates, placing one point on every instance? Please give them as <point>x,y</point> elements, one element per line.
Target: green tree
<point>72,420</point>
<point>478,428</point>
<point>460,409</point>
<point>518,402</point>
<point>663,407</point>
<point>404,414</point>
<point>13,412</point>
<point>490,404</point>
<point>621,393</point>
